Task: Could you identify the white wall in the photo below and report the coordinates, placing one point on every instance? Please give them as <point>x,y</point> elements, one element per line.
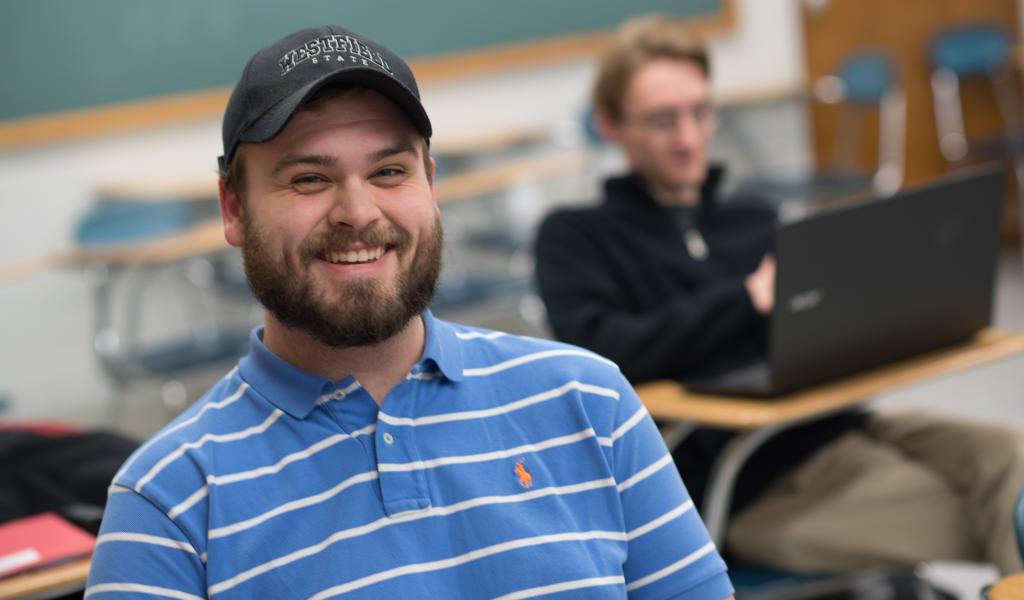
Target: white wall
<point>46,364</point>
<point>764,51</point>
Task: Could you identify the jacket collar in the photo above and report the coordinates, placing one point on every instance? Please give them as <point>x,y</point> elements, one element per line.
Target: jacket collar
<point>628,193</point>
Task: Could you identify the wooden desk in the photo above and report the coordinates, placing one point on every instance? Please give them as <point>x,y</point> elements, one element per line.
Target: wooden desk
<point>46,583</point>
<point>207,236</point>
<point>668,400</point>
<point>758,420</point>
<point>203,238</point>
<point>1010,587</point>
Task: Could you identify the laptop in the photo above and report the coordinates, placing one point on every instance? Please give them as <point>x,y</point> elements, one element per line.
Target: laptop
<point>877,281</point>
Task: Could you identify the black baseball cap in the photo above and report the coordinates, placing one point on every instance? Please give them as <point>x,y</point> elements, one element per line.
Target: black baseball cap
<point>279,78</point>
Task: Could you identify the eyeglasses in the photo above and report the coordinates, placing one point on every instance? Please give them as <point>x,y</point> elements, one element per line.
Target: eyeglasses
<point>667,119</point>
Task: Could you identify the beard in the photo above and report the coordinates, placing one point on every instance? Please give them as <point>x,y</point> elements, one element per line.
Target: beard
<point>364,311</point>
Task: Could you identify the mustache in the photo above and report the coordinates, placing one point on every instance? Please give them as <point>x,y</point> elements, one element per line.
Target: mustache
<point>389,237</point>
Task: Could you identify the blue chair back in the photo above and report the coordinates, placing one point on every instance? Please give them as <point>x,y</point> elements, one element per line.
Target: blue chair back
<point>591,134</point>
<point>867,76</point>
<point>972,50</point>
<point>124,221</point>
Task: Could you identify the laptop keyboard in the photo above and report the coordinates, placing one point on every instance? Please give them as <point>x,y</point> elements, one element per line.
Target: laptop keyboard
<point>751,379</point>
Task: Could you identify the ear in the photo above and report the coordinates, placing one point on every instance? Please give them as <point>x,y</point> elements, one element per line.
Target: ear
<point>232,213</point>
<point>433,187</point>
<point>609,127</point>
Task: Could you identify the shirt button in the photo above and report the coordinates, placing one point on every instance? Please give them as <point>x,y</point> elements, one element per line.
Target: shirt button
<point>388,438</point>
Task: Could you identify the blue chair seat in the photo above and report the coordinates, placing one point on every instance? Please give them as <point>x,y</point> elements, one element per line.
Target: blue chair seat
<point>180,356</point>
<point>757,579</point>
<point>972,50</point>
<point>126,221</point>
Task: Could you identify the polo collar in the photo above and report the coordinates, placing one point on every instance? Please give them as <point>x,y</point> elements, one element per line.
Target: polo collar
<point>443,348</point>
<point>288,387</point>
<point>297,392</point>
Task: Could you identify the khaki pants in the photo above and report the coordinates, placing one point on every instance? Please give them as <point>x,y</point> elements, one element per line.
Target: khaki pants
<point>908,488</point>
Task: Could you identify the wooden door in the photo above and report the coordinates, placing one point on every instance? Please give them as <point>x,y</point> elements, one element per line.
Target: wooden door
<point>833,29</point>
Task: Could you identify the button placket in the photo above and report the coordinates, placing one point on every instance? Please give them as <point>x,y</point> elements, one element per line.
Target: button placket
<point>402,490</point>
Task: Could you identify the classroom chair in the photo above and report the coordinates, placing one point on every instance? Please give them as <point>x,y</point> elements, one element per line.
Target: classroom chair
<point>755,582</point>
<point>489,219</point>
<point>973,52</point>
<point>981,52</point>
<point>486,268</point>
<point>138,333</point>
<point>865,82</point>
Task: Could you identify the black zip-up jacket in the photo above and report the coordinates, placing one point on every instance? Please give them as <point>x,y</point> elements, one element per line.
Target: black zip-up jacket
<point>617,279</point>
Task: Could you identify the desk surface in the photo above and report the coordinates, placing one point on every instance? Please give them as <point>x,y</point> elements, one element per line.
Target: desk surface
<point>64,578</point>
<point>1010,587</point>
<point>669,401</point>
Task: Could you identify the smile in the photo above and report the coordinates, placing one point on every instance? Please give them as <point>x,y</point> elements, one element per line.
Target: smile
<point>364,255</point>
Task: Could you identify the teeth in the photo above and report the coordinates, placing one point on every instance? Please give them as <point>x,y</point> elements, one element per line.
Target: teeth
<point>353,256</point>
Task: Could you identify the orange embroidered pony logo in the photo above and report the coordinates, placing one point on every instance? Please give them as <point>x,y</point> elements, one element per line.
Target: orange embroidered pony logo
<point>525,477</point>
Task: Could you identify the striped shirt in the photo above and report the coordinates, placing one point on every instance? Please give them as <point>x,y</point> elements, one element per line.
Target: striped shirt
<point>502,467</point>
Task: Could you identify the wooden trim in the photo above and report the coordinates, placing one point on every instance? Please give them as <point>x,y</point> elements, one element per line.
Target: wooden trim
<point>139,114</point>
<point>529,54</point>
<point>112,118</point>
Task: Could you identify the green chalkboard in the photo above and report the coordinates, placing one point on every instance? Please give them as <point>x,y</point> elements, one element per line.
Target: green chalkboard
<point>67,54</point>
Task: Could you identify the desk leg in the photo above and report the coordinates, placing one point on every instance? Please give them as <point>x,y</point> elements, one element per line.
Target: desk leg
<point>675,433</point>
<point>718,497</point>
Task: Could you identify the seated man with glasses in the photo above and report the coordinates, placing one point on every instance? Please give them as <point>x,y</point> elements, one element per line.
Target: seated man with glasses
<point>670,280</point>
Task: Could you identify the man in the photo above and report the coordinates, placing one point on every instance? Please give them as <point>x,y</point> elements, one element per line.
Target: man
<point>363,447</point>
<point>670,282</point>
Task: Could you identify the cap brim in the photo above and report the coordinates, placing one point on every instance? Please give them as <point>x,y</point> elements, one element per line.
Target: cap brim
<point>270,123</point>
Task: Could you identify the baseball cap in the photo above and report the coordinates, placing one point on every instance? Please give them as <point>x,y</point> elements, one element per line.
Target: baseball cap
<point>279,78</point>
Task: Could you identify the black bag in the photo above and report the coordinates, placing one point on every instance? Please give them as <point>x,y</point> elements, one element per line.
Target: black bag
<point>68,474</point>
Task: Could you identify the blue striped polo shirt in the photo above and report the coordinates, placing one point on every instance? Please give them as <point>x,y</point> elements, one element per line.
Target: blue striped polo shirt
<point>501,467</point>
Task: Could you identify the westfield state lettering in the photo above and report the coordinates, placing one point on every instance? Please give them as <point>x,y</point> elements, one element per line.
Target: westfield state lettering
<point>322,48</point>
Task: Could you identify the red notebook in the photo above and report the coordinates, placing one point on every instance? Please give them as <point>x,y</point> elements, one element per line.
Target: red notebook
<point>39,541</point>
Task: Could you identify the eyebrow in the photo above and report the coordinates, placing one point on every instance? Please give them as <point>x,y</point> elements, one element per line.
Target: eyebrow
<point>323,160</point>
<point>400,148</point>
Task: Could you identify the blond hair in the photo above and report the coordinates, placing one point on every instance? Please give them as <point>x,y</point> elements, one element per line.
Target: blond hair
<point>636,43</point>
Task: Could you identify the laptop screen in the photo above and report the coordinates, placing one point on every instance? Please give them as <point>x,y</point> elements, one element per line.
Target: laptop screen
<point>883,279</point>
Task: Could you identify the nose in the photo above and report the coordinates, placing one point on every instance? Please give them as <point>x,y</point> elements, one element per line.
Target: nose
<point>688,133</point>
<point>354,206</point>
